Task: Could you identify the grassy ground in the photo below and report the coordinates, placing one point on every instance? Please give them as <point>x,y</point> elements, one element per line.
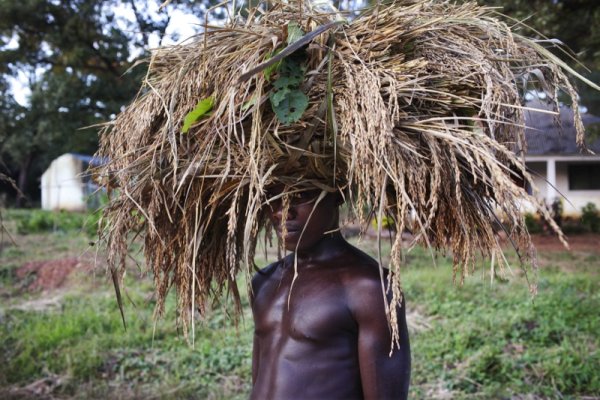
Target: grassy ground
<point>476,341</point>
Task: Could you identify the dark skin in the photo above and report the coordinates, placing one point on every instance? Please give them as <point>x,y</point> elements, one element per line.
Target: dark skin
<point>324,335</point>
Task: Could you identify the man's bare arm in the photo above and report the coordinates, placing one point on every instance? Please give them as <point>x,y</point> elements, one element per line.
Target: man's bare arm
<point>382,376</point>
<point>255,352</point>
<point>257,281</point>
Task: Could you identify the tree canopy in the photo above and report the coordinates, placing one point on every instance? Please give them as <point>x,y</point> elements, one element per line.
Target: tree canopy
<point>576,23</point>
<point>78,58</point>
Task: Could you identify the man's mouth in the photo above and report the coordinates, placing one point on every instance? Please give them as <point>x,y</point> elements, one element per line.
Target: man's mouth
<point>289,229</point>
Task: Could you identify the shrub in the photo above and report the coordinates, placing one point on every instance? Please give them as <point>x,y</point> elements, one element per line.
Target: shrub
<point>557,211</point>
<point>39,221</point>
<point>533,224</point>
<point>590,218</point>
<point>573,226</point>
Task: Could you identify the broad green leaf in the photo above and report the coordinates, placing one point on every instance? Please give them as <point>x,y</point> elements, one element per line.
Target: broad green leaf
<point>293,66</point>
<point>284,82</point>
<point>291,73</point>
<point>279,95</point>
<point>200,110</point>
<point>287,100</point>
<point>291,106</point>
<point>294,32</point>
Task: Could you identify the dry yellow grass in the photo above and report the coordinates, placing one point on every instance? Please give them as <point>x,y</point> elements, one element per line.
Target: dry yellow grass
<point>415,111</point>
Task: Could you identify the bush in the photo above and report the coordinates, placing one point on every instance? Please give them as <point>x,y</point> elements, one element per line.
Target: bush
<point>39,221</point>
<point>533,224</point>
<point>573,226</point>
<point>557,211</point>
<point>590,218</point>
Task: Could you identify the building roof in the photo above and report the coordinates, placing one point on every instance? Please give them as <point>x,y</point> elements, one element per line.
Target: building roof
<point>91,160</point>
<point>545,136</point>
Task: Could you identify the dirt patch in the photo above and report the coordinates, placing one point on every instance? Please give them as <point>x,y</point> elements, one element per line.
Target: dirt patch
<point>41,304</point>
<point>49,274</point>
<point>417,320</point>
<point>587,243</point>
<point>41,389</point>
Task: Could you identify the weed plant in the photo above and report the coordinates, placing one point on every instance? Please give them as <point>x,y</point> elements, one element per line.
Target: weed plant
<point>497,342</point>
<point>44,221</point>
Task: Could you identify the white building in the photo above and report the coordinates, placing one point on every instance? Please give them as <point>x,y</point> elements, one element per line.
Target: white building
<point>560,169</point>
<point>66,185</point>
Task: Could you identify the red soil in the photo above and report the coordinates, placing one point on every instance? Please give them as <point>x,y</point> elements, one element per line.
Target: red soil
<point>587,243</point>
<point>49,275</point>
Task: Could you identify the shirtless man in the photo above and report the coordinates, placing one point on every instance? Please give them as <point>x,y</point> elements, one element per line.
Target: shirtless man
<point>326,336</point>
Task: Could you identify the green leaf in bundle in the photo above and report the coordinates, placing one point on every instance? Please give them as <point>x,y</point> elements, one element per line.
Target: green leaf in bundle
<point>290,105</point>
<point>291,72</point>
<point>285,82</point>
<point>273,67</point>
<point>278,96</point>
<point>250,103</point>
<point>202,107</point>
<point>287,100</point>
<point>294,32</point>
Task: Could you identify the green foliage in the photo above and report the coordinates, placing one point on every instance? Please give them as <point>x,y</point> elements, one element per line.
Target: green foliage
<point>475,341</point>
<point>271,68</point>
<point>287,99</point>
<point>533,224</point>
<point>79,59</point>
<point>387,222</point>
<point>75,65</point>
<point>494,342</point>
<point>85,340</point>
<point>590,218</point>
<point>574,23</point>
<point>202,107</point>
<point>291,72</point>
<point>557,209</point>
<point>289,105</point>
<point>294,32</point>
<point>39,221</point>
<point>572,225</point>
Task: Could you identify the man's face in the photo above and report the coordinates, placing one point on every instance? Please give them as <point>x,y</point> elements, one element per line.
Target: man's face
<point>303,229</point>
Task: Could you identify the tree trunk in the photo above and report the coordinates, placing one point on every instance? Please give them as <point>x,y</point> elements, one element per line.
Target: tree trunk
<point>22,180</point>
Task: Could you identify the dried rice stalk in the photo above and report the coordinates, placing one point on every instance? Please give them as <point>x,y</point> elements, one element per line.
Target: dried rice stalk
<point>423,124</point>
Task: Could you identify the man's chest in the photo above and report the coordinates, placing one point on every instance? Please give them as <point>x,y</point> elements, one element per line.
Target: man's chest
<point>310,308</point>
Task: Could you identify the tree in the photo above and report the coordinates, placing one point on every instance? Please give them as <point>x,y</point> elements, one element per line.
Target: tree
<point>576,23</point>
<point>77,56</point>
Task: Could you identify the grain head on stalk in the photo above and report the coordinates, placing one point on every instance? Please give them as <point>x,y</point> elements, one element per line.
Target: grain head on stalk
<point>414,110</point>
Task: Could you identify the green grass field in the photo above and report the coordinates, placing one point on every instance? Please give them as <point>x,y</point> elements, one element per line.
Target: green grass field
<point>478,341</point>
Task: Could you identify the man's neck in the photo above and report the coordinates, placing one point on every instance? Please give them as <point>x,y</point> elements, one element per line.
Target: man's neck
<point>330,246</point>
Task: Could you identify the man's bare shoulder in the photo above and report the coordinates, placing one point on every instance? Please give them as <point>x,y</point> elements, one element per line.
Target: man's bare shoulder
<point>358,266</point>
<point>264,274</point>
<point>363,280</point>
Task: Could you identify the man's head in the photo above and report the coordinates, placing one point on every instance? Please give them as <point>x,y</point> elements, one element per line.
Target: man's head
<point>309,216</point>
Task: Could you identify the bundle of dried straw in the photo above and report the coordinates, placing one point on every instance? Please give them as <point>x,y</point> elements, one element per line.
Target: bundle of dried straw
<point>414,110</point>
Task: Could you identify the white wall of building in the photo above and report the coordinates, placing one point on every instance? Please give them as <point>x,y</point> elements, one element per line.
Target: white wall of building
<point>62,188</point>
<point>538,170</point>
<point>573,200</point>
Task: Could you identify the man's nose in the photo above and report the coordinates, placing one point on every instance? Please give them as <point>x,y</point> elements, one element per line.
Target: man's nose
<point>278,210</point>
